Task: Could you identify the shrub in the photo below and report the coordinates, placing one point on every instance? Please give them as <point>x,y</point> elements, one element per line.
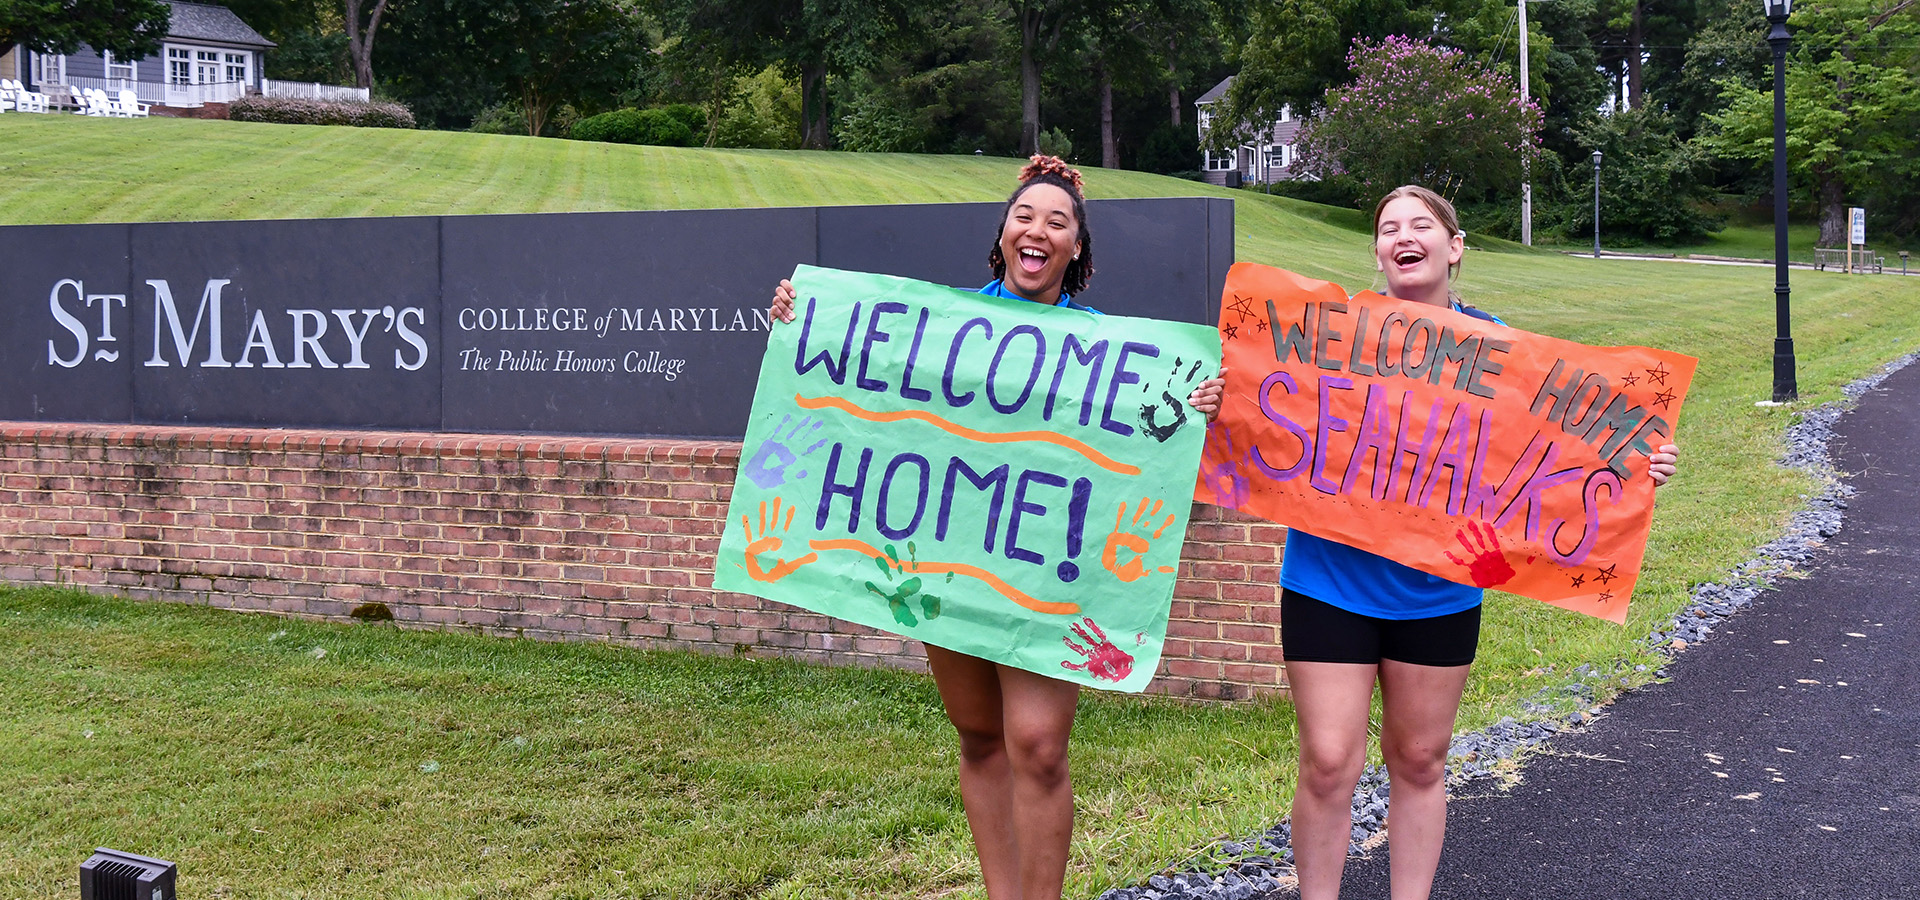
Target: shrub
<point>500,118</point>
<point>655,127</point>
<point>689,115</point>
<point>1334,190</point>
<point>1054,142</point>
<point>1168,149</point>
<point>290,111</point>
<point>763,113</point>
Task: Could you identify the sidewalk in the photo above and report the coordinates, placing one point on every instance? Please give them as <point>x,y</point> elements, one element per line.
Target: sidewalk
<point>1705,260</point>
<point>1782,759</point>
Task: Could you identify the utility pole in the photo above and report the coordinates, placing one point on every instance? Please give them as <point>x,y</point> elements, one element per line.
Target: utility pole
<point>1526,146</point>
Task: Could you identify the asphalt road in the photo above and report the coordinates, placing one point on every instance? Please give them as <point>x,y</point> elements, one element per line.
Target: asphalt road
<point>1782,759</point>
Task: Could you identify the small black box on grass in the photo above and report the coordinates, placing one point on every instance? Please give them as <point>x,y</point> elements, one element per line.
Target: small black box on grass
<point>113,875</point>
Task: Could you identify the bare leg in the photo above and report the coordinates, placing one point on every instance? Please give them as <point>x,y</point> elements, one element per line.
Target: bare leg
<point>1420,703</point>
<point>970,689</point>
<point>1331,702</point>
<point>1039,719</point>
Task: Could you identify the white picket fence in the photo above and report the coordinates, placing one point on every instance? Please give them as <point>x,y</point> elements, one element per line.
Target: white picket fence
<point>307,90</point>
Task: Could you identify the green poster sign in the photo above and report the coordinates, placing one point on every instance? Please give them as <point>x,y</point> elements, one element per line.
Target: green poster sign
<point>997,477</point>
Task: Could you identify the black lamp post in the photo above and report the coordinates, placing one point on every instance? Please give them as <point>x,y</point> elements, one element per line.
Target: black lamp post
<point>1784,387</point>
<point>1596,204</point>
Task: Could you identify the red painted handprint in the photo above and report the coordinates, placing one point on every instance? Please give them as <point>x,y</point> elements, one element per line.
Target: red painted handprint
<point>1104,661</point>
<point>1489,566</point>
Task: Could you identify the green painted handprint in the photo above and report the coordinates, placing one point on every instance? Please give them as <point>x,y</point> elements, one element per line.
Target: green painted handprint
<point>899,599</point>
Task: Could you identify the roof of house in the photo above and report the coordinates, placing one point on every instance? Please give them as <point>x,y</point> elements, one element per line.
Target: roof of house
<point>205,22</point>
<point>1219,90</point>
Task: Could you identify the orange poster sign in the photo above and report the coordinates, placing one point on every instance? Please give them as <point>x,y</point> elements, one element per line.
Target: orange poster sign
<point>1480,453</point>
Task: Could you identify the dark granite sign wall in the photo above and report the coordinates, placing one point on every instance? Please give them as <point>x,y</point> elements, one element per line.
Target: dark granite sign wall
<point>639,323</point>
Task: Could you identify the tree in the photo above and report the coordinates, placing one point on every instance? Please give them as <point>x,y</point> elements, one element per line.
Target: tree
<point>1419,114</point>
<point>1635,35</point>
<point>1040,23</point>
<point>362,21</point>
<point>941,86</point>
<point>1853,106</point>
<point>1295,51</point>
<point>129,29</point>
<point>1138,45</point>
<point>454,58</point>
<point>1651,188</point>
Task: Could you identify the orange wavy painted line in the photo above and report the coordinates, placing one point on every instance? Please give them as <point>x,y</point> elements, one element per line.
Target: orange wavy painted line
<point>986,437</point>
<point>992,580</point>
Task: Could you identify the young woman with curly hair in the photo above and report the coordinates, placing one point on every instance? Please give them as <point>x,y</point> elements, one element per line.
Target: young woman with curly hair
<point>1014,724</point>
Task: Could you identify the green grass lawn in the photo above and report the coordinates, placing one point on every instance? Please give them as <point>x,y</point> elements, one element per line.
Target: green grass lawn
<point>432,765</point>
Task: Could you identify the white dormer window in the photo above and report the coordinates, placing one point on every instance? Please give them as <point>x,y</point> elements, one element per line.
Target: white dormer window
<point>1286,114</point>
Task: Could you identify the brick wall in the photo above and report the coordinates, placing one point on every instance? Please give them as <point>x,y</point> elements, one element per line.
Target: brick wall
<point>551,538</point>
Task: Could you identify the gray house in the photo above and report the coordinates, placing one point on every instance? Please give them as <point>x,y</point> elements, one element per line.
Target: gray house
<point>209,56</point>
<point>1263,157</point>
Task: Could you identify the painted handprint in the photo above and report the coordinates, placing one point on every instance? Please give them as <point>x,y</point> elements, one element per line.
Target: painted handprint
<point>1103,660</point>
<point>1124,537</point>
<point>897,599</point>
<point>768,467</point>
<point>1174,406</point>
<point>1221,473</point>
<point>1488,566</point>
<point>768,542</point>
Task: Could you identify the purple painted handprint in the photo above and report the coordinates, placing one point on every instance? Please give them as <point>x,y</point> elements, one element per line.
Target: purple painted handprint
<point>768,467</point>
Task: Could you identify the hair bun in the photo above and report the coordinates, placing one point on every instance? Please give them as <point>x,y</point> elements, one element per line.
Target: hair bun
<point>1039,165</point>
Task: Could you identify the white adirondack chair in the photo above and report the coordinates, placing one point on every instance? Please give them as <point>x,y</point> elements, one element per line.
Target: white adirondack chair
<point>130,105</point>
<point>24,100</point>
<point>96,103</point>
<point>6,97</point>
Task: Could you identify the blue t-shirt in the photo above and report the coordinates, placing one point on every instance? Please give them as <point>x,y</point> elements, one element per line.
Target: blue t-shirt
<point>1367,583</point>
<point>997,289</point>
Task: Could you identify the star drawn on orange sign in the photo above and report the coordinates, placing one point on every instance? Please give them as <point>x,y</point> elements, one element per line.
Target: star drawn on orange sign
<point>1663,399</point>
<point>1579,580</point>
<point>1242,307</point>
<point>1606,575</point>
<point>1658,373</point>
<point>1629,379</point>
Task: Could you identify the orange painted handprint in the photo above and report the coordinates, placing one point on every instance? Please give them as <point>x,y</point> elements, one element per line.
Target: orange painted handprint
<point>1135,568</point>
<point>768,543</point>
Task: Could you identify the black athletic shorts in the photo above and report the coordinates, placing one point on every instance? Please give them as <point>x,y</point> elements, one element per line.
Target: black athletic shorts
<point>1313,631</point>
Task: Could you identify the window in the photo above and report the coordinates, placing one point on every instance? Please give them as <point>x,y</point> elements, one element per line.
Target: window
<point>179,66</point>
<point>237,67</point>
<point>1219,162</point>
<point>1286,114</point>
<point>122,72</point>
<point>50,68</point>
<point>1276,156</point>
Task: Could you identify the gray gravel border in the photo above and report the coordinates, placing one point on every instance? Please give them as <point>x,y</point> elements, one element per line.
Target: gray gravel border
<point>1263,863</point>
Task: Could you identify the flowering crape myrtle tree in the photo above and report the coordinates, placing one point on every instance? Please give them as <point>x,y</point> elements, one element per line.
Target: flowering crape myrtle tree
<point>1419,114</point>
